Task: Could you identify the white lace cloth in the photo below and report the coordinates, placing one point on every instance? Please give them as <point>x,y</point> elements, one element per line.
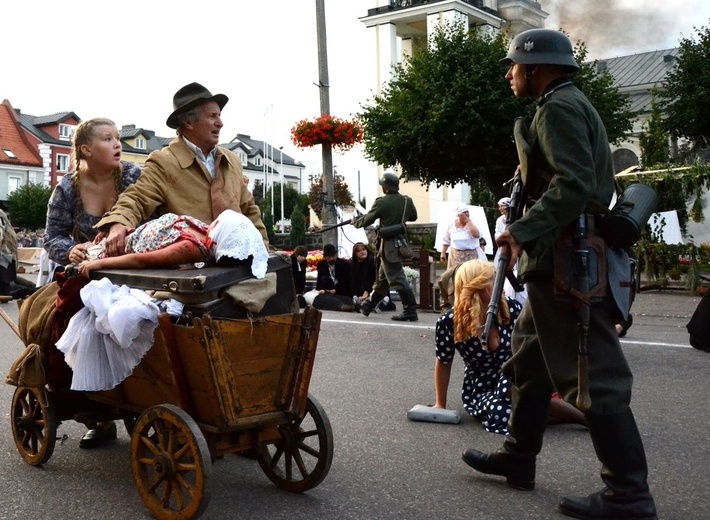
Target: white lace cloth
<point>107,338</point>
<point>235,236</point>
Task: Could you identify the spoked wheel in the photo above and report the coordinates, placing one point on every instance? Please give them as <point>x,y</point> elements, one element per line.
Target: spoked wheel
<point>171,463</point>
<point>34,425</point>
<point>301,458</point>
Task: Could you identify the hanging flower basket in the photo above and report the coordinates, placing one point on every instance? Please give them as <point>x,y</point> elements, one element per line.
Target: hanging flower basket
<point>339,133</point>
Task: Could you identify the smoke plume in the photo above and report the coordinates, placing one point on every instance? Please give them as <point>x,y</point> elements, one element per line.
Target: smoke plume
<point>611,28</point>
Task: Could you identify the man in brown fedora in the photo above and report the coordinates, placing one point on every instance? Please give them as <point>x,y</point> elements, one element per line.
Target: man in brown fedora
<point>191,176</point>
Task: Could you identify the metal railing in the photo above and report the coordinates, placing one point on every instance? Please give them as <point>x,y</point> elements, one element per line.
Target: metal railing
<point>396,5</point>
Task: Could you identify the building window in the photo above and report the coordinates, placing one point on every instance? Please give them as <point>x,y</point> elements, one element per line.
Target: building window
<point>13,183</point>
<point>62,163</point>
<point>66,132</point>
<point>140,143</point>
<point>9,153</point>
<point>243,158</point>
<point>624,159</point>
<point>257,161</point>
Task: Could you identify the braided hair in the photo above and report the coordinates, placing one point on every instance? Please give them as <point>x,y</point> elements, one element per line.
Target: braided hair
<point>472,280</point>
<point>85,133</point>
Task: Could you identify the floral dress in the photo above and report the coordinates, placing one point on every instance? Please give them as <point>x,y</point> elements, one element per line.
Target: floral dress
<point>165,230</point>
<point>485,388</point>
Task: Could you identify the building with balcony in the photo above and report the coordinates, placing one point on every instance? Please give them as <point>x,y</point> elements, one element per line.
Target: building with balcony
<point>267,164</point>
<point>401,27</point>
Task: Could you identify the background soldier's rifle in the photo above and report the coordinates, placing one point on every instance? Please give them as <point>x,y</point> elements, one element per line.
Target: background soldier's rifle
<point>515,211</point>
<point>334,226</point>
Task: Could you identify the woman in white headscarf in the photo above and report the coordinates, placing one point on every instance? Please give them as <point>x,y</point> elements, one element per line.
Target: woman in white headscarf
<point>461,240</point>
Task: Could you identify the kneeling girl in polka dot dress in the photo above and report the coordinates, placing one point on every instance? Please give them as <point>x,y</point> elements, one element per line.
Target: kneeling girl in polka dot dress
<point>486,392</point>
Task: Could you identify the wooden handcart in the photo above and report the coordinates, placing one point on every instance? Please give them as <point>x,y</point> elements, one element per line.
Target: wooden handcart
<point>215,382</point>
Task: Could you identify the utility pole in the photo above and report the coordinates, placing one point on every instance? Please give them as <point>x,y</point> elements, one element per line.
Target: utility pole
<point>281,177</point>
<point>329,213</point>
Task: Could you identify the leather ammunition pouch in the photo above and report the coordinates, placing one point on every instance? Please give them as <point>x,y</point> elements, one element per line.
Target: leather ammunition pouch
<point>403,247</point>
<point>567,266</point>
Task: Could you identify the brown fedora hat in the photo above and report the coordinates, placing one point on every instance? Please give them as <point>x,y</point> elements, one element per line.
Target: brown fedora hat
<point>191,96</point>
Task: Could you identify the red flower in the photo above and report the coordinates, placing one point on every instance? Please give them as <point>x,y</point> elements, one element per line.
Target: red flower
<point>340,133</point>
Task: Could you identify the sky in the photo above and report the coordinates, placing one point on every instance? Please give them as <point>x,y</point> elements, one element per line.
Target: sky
<point>125,61</point>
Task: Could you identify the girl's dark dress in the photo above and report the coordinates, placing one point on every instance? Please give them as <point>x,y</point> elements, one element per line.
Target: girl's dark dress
<point>362,275</point>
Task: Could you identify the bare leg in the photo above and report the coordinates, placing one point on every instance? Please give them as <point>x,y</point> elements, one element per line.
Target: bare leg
<point>181,252</point>
<point>561,412</point>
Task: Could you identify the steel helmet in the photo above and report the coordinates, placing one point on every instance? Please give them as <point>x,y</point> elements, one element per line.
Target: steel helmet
<point>390,181</point>
<point>541,47</point>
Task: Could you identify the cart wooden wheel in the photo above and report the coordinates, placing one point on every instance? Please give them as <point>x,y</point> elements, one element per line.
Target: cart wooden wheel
<point>34,425</point>
<point>301,458</point>
<point>171,463</point>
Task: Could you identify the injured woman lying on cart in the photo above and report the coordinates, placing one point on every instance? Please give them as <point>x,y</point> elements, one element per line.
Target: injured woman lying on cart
<point>180,239</point>
<point>109,336</point>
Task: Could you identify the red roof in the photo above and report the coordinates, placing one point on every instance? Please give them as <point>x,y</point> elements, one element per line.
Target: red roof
<point>14,140</point>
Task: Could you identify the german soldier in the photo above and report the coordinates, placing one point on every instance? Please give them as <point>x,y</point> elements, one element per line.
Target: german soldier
<point>568,174</point>
<point>393,209</point>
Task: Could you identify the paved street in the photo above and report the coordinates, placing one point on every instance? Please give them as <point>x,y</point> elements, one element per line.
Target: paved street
<point>368,373</point>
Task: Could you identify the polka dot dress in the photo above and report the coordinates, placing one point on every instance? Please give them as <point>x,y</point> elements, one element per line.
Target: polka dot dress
<point>484,385</point>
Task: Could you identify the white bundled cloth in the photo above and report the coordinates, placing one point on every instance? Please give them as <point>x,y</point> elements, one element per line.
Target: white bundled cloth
<point>235,236</point>
<point>107,338</point>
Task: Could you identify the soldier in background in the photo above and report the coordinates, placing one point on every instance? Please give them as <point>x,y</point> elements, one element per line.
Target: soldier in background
<point>392,209</point>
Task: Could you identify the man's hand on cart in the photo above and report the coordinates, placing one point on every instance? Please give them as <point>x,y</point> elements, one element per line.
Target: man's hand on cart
<point>115,239</point>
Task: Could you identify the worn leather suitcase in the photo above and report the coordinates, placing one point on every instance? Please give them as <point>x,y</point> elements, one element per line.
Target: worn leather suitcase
<point>202,290</point>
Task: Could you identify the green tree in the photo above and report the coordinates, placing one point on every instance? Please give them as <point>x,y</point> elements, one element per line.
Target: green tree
<point>685,98</point>
<point>28,205</point>
<point>654,138</point>
<point>258,192</point>
<point>268,221</point>
<point>316,195</point>
<point>598,85</point>
<point>291,200</point>
<point>298,227</point>
<point>447,115</point>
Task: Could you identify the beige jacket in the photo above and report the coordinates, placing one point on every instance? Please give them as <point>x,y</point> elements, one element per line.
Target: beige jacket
<point>174,180</point>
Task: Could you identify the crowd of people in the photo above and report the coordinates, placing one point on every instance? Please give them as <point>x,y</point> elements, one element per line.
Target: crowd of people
<point>30,238</point>
<point>341,284</point>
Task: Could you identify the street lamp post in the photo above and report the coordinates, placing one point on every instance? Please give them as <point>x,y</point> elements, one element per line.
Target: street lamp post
<point>271,146</point>
<point>281,176</point>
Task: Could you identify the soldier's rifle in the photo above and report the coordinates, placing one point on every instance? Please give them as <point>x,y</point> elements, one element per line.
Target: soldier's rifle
<point>515,211</point>
<point>582,275</point>
<point>335,226</point>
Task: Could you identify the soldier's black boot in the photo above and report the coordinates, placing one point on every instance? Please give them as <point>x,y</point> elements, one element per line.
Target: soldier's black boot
<point>618,445</point>
<point>409,303</point>
<point>516,459</point>
<point>369,305</point>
